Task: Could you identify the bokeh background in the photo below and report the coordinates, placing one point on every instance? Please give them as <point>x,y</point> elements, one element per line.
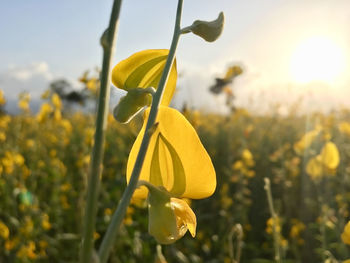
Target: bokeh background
<point>269,99</point>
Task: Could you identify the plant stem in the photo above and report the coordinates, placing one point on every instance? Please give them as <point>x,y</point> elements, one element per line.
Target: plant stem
<point>108,41</point>
<point>119,214</point>
<point>276,237</point>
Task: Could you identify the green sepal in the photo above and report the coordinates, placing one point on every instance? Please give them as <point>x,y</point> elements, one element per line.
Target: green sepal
<point>162,223</point>
<point>209,31</point>
<point>132,103</point>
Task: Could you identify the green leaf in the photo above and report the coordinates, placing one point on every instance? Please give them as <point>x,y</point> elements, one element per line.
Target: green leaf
<point>131,104</point>
<point>209,31</point>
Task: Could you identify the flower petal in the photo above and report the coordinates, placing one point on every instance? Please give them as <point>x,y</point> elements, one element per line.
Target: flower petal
<point>143,70</point>
<point>178,136</point>
<point>185,217</point>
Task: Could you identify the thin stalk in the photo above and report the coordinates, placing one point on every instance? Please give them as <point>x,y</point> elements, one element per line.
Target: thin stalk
<point>276,236</point>
<point>119,214</point>
<point>108,41</point>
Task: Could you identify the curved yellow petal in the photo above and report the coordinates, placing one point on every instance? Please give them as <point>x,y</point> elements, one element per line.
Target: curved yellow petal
<point>179,148</point>
<point>185,217</point>
<point>144,69</point>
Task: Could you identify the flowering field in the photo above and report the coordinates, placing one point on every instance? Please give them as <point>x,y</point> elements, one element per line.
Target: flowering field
<point>44,159</point>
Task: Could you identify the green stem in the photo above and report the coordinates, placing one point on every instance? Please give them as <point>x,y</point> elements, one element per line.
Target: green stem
<point>119,214</point>
<point>276,236</point>
<point>108,41</point>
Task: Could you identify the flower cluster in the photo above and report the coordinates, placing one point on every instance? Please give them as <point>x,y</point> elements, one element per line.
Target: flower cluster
<point>176,164</point>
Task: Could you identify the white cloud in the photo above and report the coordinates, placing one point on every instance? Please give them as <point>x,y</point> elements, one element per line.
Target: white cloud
<point>33,78</point>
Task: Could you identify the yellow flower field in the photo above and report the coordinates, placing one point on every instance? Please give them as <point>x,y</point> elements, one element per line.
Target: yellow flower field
<point>44,159</point>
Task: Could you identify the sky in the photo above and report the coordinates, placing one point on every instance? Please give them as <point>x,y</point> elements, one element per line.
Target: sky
<point>45,40</point>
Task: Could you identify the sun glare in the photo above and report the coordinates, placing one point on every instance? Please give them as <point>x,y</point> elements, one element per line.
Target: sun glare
<point>317,59</point>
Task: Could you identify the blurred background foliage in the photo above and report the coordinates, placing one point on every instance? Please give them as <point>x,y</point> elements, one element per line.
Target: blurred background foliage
<point>44,158</point>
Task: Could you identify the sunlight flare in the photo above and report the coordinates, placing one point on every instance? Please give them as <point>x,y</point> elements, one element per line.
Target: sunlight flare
<point>317,59</point>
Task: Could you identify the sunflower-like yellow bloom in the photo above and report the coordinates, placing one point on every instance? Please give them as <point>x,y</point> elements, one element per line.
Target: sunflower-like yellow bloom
<point>176,164</point>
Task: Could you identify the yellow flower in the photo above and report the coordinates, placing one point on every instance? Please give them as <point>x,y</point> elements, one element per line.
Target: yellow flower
<point>56,101</point>
<point>270,223</point>
<point>306,140</point>
<point>2,136</point>
<point>296,229</point>
<point>344,127</point>
<point>45,223</point>
<point>176,166</point>
<point>4,121</point>
<point>247,157</point>
<point>11,244</point>
<point>27,251</point>
<point>2,98</point>
<point>45,111</point>
<point>23,103</point>
<point>330,155</point>
<point>4,231</point>
<point>314,167</point>
<point>238,165</point>
<point>327,161</point>
<point>345,236</point>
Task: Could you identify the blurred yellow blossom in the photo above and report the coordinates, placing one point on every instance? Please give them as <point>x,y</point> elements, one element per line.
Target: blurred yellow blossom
<point>296,229</point>
<point>270,223</point>
<point>2,98</point>
<point>247,157</point>
<point>2,136</point>
<point>27,251</point>
<point>44,112</point>
<point>45,223</point>
<point>306,140</point>
<point>23,103</point>
<point>4,231</point>
<point>30,143</point>
<point>28,226</point>
<point>56,101</point>
<point>11,243</point>
<point>330,155</point>
<point>4,121</point>
<point>344,127</point>
<point>314,167</point>
<point>345,236</point>
<point>57,115</point>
